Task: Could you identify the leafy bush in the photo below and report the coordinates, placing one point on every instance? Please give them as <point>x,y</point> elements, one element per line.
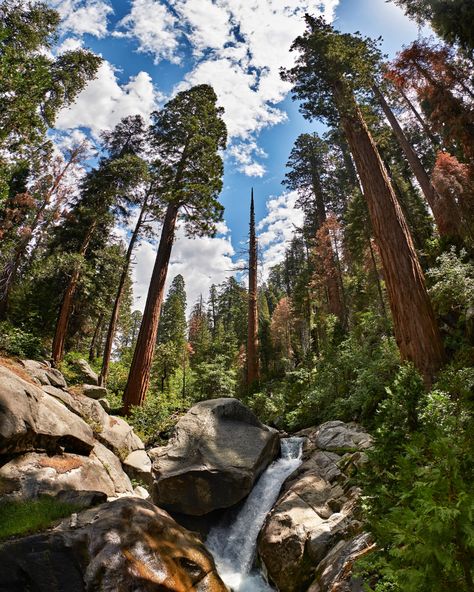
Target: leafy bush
<point>155,418</point>
<point>14,341</point>
<point>347,381</point>
<point>420,502</point>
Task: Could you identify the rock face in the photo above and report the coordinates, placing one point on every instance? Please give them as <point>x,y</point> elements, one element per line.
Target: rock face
<point>58,441</point>
<point>126,545</point>
<point>35,474</point>
<point>218,450</point>
<point>314,525</point>
<point>44,374</point>
<point>31,419</point>
<point>113,432</point>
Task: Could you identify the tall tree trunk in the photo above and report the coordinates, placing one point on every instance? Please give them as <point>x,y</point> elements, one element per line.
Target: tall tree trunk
<point>446,214</point>
<point>335,304</point>
<point>118,298</point>
<point>139,375</point>
<point>253,365</point>
<point>66,306</point>
<point>415,326</point>
<point>424,125</point>
<point>93,345</point>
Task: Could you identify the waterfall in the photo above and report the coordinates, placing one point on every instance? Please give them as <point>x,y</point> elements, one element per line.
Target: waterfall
<point>233,547</point>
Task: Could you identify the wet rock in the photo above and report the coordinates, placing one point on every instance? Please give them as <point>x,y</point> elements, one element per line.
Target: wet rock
<point>318,508</point>
<point>335,572</point>
<point>31,419</point>
<point>125,545</point>
<point>214,457</point>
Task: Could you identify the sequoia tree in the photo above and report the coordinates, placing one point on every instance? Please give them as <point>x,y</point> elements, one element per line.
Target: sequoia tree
<point>187,135</point>
<point>332,69</point>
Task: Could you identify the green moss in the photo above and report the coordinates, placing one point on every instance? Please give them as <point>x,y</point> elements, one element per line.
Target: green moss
<point>30,516</point>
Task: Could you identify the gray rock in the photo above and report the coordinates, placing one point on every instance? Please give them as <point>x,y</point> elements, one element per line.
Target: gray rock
<point>85,372</point>
<point>34,474</point>
<point>140,491</point>
<point>137,465</point>
<point>113,432</point>
<point>44,374</point>
<point>31,419</point>
<point>338,436</point>
<point>113,466</point>
<point>128,544</point>
<point>119,436</point>
<point>218,450</point>
<point>94,392</point>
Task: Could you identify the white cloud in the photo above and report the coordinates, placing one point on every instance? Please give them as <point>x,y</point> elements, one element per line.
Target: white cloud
<point>276,230</point>
<point>244,154</point>
<point>239,47</point>
<point>84,16</point>
<point>155,28</point>
<point>201,261</point>
<point>104,102</point>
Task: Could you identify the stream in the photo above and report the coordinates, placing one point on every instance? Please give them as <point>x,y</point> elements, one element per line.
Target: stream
<point>233,546</point>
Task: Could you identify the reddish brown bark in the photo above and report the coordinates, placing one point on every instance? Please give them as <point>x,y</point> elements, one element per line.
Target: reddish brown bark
<point>66,306</point>
<point>139,375</point>
<point>415,326</point>
<point>335,304</point>
<point>118,298</point>
<point>253,365</point>
<point>445,211</point>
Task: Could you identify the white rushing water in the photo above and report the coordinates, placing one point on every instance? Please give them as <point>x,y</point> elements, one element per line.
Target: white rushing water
<point>233,546</point>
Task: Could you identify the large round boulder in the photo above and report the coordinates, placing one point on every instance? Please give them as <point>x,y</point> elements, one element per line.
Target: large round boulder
<point>125,545</point>
<point>217,451</point>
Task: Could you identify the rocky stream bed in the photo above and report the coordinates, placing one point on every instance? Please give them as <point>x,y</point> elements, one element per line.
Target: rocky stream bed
<point>275,514</point>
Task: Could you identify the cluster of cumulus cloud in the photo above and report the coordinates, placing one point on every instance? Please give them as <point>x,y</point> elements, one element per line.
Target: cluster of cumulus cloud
<point>238,46</point>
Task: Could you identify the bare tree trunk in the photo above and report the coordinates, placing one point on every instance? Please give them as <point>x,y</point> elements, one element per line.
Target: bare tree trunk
<point>139,375</point>
<point>445,214</point>
<point>415,326</point>
<point>253,365</point>
<point>66,306</point>
<point>118,298</point>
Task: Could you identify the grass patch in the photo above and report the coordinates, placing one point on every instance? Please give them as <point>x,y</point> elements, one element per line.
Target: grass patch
<point>30,516</point>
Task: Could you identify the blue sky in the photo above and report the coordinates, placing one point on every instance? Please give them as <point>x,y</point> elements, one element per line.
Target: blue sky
<point>152,48</point>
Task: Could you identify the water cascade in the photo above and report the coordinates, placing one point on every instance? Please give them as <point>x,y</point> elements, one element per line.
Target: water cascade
<point>233,546</point>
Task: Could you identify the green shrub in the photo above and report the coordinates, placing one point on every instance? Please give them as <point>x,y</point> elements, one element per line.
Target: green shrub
<point>419,498</point>
<point>14,341</point>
